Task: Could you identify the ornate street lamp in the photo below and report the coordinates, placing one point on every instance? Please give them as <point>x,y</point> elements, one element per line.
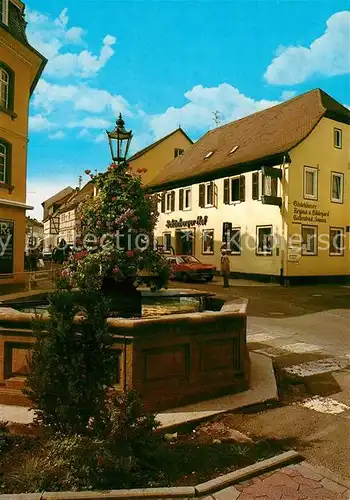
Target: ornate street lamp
<point>119,141</point>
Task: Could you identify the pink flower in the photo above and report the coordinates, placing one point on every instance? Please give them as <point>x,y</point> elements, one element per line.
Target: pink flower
<point>116,269</point>
<point>130,253</point>
<point>114,198</point>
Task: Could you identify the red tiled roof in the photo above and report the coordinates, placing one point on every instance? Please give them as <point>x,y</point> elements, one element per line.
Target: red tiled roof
<point>260,136</point>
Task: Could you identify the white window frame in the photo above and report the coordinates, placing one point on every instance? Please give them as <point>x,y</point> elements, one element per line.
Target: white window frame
<point>337,134</point>
<point>187,190</point>
<point>5,13</point>
<point>233,178</point>
<point>3,154</point>
<point>168,197</point>
<point>341,176</point>
<point>314,171</point>
<point>263,252</point>
<point>163,239</point>
<point>5,87</point>
<point>206,252</point>
<point>206,204</point>
<point>340,253</point>
<point>304,249</point>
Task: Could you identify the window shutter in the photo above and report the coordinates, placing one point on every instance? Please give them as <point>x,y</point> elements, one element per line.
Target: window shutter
<point>274,184</point>
<point>263,183</point>
<point>216,195</point>
<point>181,199</point>
<point>8,163</point>
<point>226,191</point>
<point>162,208</point>
<point>255,186</point>
<point>201,195</point>
<point>242,188</point>
<point>172,201</point>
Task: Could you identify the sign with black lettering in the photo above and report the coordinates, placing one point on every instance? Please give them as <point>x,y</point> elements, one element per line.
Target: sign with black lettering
<point>200,221</point>
<point>309,213</point>
<point>6,246</point>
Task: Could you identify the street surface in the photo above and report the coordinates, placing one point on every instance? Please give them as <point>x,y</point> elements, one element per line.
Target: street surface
<point>305,330</point>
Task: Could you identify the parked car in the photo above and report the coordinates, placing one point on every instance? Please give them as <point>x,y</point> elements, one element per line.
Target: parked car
<point>188,268</point>
<point>47,254</point>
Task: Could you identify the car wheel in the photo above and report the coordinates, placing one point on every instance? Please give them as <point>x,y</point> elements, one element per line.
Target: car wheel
<point>185,277</point>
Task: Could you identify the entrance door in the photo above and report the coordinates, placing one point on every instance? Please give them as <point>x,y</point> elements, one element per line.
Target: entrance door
<point>185,242</point>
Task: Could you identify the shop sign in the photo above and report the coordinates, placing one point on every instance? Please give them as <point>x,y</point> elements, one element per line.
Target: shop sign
<point>308,212</point>
<point>174,223</point>
<point>294,253</point>
<point>6,246</point>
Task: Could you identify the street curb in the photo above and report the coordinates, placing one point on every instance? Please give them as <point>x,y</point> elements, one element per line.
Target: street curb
<point>237,476</point>
<point>166,493</point>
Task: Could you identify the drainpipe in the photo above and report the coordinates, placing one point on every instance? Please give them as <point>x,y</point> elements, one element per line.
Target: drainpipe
<point>283,246</point>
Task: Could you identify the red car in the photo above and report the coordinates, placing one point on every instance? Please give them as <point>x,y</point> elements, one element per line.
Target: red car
<point>187,268</point>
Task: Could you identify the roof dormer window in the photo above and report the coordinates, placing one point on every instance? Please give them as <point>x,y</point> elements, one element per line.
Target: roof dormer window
<point>233,150</point>
<point>4,4</point>
<point>208,155</point>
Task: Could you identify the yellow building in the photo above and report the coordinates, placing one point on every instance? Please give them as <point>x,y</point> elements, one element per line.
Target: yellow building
<point>155,156</point>
<point>20,68</point>
<point>274,187</point>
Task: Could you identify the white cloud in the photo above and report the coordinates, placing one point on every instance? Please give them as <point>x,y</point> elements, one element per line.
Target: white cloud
<point>288,94</point>
<point>38,123</point>
<point>89,122</point>
<point>328,55</point>
<point>53,37</point>
<point>84,133</point>
<point>50,96</point>
<point>39,190</point>
<point>57,135</point>
<point>197,114</point>
<point>101,137</point>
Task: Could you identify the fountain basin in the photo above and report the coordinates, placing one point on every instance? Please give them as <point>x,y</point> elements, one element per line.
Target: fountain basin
<point>170,360</point>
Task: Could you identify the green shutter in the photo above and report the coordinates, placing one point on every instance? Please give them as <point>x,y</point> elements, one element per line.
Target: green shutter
<point>8,172</point>
<point>162,206</point>
<point>255,186</point>
<point>201,195</point>
<point>172,201</point>
<point>226,191</point>
<point>242,188</point>
<point>181,199</point>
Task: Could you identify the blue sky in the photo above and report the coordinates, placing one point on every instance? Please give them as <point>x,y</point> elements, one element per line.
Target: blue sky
<point>165,63</point>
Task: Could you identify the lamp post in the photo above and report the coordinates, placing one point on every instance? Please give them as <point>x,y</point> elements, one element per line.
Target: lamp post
<point>119,141</point>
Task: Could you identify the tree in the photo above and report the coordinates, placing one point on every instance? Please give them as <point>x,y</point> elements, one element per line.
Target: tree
<point>72,363</point>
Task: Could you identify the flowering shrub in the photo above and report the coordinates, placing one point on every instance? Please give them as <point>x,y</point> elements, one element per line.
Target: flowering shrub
<point>117,229</point>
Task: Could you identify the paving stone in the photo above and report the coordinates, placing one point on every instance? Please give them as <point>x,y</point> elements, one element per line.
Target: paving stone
<point>227,494</point>
<point>281,479</point>
<point>307,493</point>
<point>264,489</point>
<point>331,485</point>
<point>245,496</point>
<point>307,472</point>
<point>308,482</point>
<point>292,471</point>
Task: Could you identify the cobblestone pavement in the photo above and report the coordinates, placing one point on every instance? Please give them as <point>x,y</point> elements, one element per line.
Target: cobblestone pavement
<point>296,482</point>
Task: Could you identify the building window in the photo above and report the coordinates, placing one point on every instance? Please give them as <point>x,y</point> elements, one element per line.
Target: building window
<point>178,152</point>
<point>336,241</point>
<point>4,11</point>
<point>234,189</point>
<point>270,186</point>
<point>235,241</point>
<point>337,183</point>
<point>208,195</point>
<point>166,242</point>
<point>7,81</point>
<point>208,241</point>
<point>264,240</point>
<point>310,183</point>
<point>309,240</point>
<point>167,203</point>
<point>338,138</point>
<point>3,162</point>
<point>185,199</point>
<point>255,185</point>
